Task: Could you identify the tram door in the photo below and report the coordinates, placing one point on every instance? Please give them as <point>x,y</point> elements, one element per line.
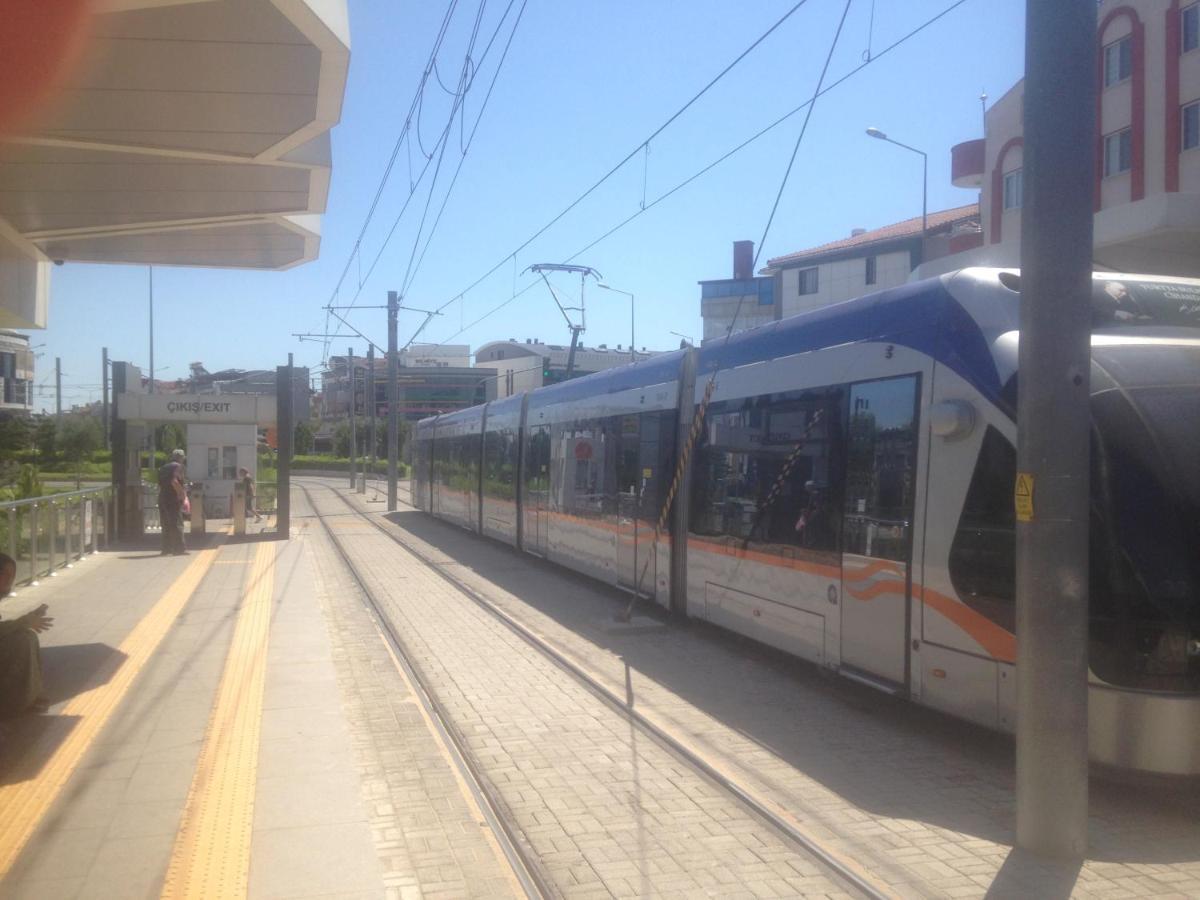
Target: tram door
<point>537,489</point>
<point>877,526</point>
<point>647,444</point>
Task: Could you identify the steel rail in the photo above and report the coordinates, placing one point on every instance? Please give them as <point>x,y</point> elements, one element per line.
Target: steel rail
<point>525,868</point>
<point>859,881</point>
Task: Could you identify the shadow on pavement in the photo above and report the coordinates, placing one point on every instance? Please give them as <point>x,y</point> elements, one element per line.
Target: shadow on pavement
<point>1025,875</point>
<point>74,668</point>
<point>884,755</point>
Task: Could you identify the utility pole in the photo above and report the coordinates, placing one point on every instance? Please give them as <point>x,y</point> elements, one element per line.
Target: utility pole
<point>1053,427</point>
<point>285,386</point>
<point>57,390</point>
<point>150,427</point>
<point>372,409</point>
<point>393,393</point>
<point>104,393</point>
<point>353,419</point>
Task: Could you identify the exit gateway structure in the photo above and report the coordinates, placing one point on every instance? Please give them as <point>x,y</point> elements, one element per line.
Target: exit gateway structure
<point>222,437</point>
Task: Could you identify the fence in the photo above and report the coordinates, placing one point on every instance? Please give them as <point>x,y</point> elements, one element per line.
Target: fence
<point>44,534</point>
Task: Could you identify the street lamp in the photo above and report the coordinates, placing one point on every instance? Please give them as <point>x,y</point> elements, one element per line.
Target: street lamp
<point>686,337</point>
<point>632,343</point>
<point>876,133</point>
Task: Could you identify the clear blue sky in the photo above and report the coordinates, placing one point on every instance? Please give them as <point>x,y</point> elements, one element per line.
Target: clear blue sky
<point>584,83</point>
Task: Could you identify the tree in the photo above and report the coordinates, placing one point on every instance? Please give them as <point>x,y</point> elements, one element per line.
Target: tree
<point>29,484</point>
<point>80,437</point>
<point>170,437</point>
<point>302,439</point>
<point>45,437</point>
<point>15,435</point>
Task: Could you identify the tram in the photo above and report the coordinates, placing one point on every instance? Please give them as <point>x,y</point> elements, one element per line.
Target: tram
<point>849,495</point>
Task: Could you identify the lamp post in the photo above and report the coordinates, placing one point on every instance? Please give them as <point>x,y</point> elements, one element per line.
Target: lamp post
<point>629,294</point>
<point>876,133</point>
<point>686,337</point>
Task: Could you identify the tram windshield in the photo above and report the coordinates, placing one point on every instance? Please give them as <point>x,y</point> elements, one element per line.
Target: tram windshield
<point>1145,544</point>
<point>1139,304</point>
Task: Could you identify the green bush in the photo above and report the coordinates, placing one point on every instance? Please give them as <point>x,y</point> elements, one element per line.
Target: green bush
<point>326,462</point>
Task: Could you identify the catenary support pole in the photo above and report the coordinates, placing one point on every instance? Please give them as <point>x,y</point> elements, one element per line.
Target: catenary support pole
<point>393,395</point>
<point>104,394</point>
<point>285,427</point>
<point>57,389</point>
<point>1053,427</point>
<point>353,417</point>
<point>372,408</point>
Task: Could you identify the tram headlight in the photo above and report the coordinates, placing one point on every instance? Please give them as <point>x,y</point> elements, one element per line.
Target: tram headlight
<point>952,419</point>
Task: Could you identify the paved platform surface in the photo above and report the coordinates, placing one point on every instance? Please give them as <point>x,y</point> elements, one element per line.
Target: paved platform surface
<point>923,801</point>
<point>345,775</point>
<point>234,723</point>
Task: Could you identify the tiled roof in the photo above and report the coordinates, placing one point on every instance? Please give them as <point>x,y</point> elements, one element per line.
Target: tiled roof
<point>908,228</point>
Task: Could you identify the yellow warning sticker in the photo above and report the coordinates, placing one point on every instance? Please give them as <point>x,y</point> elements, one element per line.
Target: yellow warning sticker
<point>1023,495</point>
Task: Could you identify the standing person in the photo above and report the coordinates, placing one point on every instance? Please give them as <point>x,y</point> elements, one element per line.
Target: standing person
<point>170,505</point>
<point>20,655</point>
<point>251,496</point>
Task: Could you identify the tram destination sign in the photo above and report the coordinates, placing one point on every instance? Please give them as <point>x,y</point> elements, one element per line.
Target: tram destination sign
<point>215,409</point>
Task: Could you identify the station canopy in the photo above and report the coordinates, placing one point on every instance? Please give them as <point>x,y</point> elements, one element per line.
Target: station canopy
<point>193,132</point>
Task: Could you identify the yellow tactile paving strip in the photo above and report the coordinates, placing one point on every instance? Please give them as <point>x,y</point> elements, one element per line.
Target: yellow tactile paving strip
<point>26,803</point>
<point>211,857</point>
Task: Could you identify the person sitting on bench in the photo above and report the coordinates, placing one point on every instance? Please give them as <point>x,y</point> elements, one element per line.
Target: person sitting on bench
<point>20,654</point>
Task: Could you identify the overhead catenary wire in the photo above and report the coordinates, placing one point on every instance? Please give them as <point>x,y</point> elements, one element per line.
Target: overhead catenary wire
<point>442,138</point>
<point>634,152</point>
<point>400,141</point>
<point>710,386</point>
<point>716,162</point>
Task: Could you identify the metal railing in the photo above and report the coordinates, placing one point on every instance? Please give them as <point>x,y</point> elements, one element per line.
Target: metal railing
<point>45,534</point>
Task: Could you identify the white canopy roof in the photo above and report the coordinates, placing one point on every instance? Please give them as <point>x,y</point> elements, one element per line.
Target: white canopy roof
<point>196,132</point>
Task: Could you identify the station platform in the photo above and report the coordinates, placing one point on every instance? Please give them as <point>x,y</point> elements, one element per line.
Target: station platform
<point>389,706</point>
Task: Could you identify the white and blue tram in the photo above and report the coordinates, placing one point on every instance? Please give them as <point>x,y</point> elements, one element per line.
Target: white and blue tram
<point>849,499</point>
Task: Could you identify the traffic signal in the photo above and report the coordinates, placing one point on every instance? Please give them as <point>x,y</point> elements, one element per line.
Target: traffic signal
<point>545,367</point>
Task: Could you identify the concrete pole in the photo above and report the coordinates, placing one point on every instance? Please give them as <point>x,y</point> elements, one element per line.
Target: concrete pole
<point>104,394</point>
<point>393,311</point>
<point>353,418</point>
<point>372,409</point>
<point>1053,427</point>
<point>57,390</point>
<point>285,386</point>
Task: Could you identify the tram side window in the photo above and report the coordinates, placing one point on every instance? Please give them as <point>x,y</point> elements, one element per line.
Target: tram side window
<point>583,464</point>
<point>456,460</point>
<point>500,464</point>
<point>983,553</point>
<point>769,472</point>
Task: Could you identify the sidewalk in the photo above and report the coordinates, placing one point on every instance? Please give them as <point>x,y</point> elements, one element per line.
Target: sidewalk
<point>924,801</point>
<point>231,722</point>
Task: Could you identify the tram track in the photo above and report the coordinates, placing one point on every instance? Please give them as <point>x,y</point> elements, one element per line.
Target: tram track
<point>528,873</point>
<point>857,882</point>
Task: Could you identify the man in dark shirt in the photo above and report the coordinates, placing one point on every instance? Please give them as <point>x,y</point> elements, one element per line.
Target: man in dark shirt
<point>20,661</point>
<point>170,505</point>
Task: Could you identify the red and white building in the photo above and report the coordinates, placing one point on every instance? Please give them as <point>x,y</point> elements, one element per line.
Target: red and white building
<point>1147,145</point>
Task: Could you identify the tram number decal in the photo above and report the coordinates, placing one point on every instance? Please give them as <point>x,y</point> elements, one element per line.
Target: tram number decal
<point>889,351</point>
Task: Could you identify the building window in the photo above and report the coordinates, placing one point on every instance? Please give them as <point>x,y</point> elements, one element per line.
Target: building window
<point>1118,152</point>
<point>214,462</point>
<point>871,271</point>
<point>1189,18</point>
<point>1014,185</point>
<point>229,463</point>
<point>808,281</point>
<point>1118,61</point>
<point>1191,126</point>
